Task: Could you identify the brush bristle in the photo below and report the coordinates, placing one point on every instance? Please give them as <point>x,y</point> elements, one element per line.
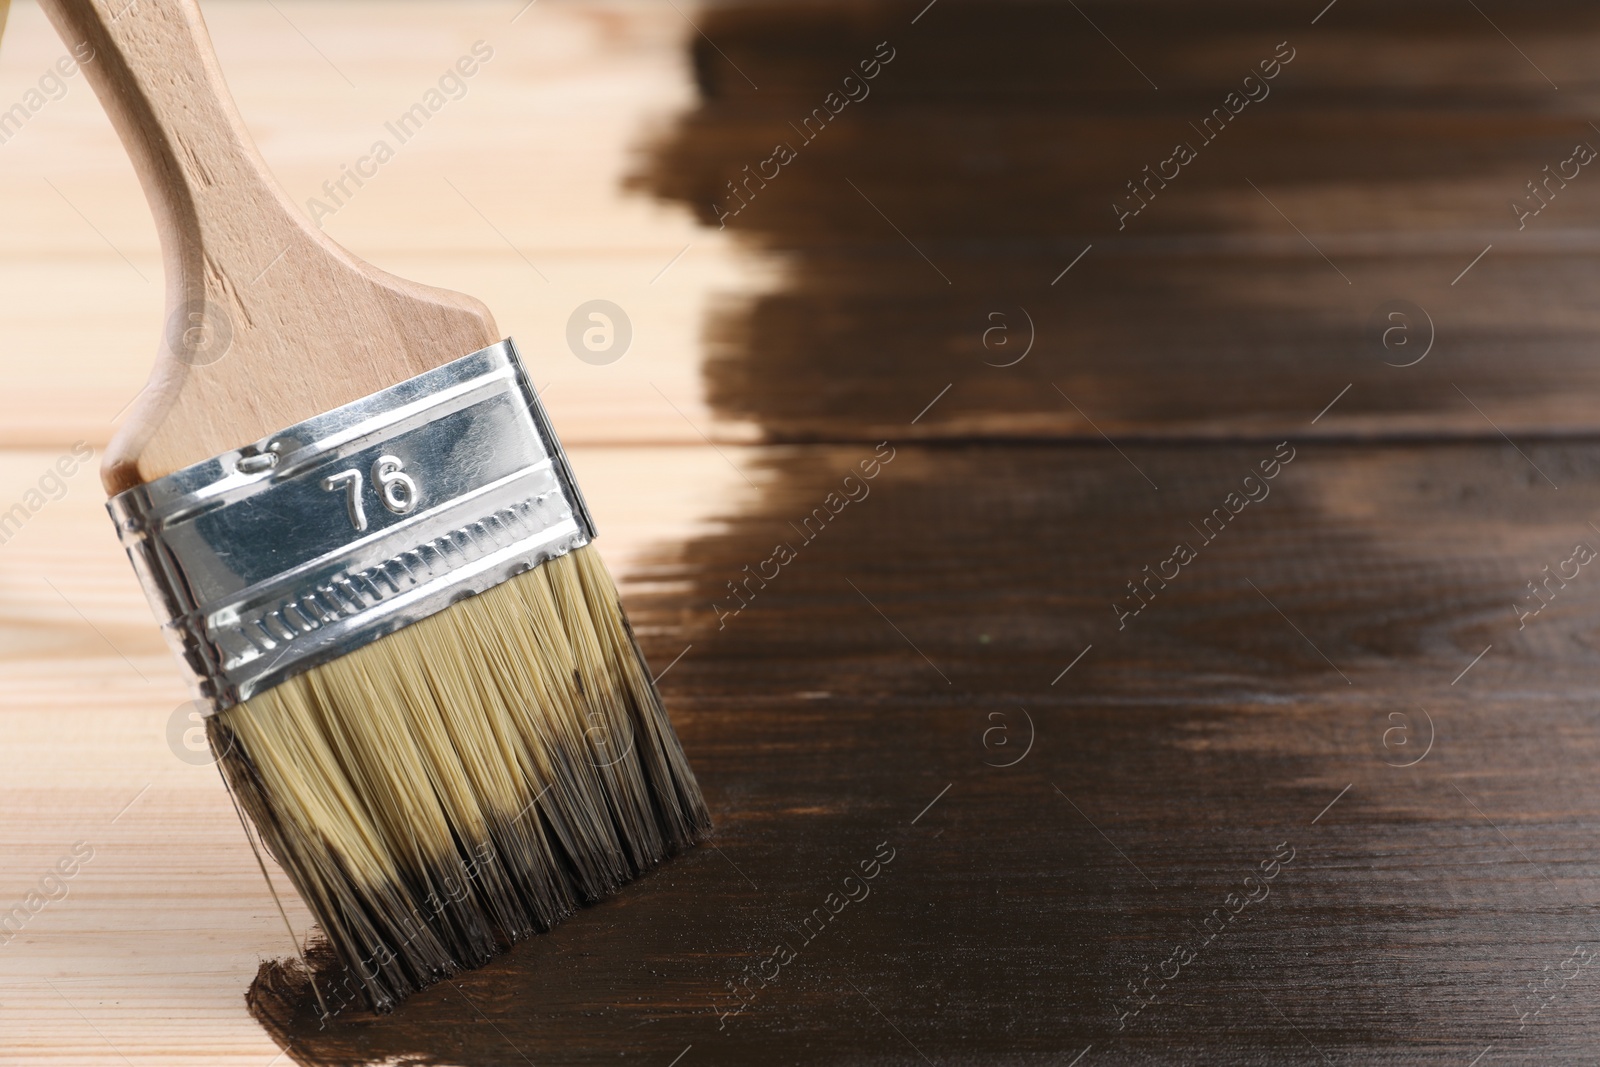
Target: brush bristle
<point>466,781</point>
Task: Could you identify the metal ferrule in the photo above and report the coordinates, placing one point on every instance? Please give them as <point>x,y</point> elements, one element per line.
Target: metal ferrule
<point>303,547</point>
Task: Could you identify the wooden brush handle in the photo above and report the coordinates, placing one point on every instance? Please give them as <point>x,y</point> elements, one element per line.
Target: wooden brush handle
<point>300,325</point>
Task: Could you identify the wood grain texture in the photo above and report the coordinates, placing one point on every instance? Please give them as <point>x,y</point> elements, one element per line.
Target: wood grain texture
<point>511,193</point>
<point>1430,912</point>
<point>882,667</point>
<point>291,324</point>
<point>149,956</point>
<point>931,225</point>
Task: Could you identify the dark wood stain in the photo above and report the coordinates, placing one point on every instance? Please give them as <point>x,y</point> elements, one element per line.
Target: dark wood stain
<point>997,141</point>
<point>1255,716</point>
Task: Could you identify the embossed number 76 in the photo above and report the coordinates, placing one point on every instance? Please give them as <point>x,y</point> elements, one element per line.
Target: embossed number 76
<point>397,491</point>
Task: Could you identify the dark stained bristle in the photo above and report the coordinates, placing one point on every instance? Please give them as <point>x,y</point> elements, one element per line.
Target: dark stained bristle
<point>466,781</point>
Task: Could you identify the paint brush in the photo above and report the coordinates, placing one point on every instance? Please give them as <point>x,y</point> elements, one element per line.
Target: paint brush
<point>366,547</point>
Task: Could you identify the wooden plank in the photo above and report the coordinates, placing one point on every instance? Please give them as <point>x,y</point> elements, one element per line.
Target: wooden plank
<point>1261,705</point>
<point>1196,739</point>
<point>935,227</point>
<point>539,223</point>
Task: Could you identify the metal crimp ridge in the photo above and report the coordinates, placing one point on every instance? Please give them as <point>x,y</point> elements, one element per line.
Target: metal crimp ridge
<point>266,561</point>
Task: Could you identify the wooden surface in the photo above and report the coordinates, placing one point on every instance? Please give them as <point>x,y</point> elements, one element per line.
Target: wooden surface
<point>1405,930</point>
<point>536,224</point>
<point>991,150</point>
<point>1335,689</point>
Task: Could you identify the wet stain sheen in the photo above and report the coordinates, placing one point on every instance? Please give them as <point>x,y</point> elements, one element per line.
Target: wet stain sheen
<point>874,698</point>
